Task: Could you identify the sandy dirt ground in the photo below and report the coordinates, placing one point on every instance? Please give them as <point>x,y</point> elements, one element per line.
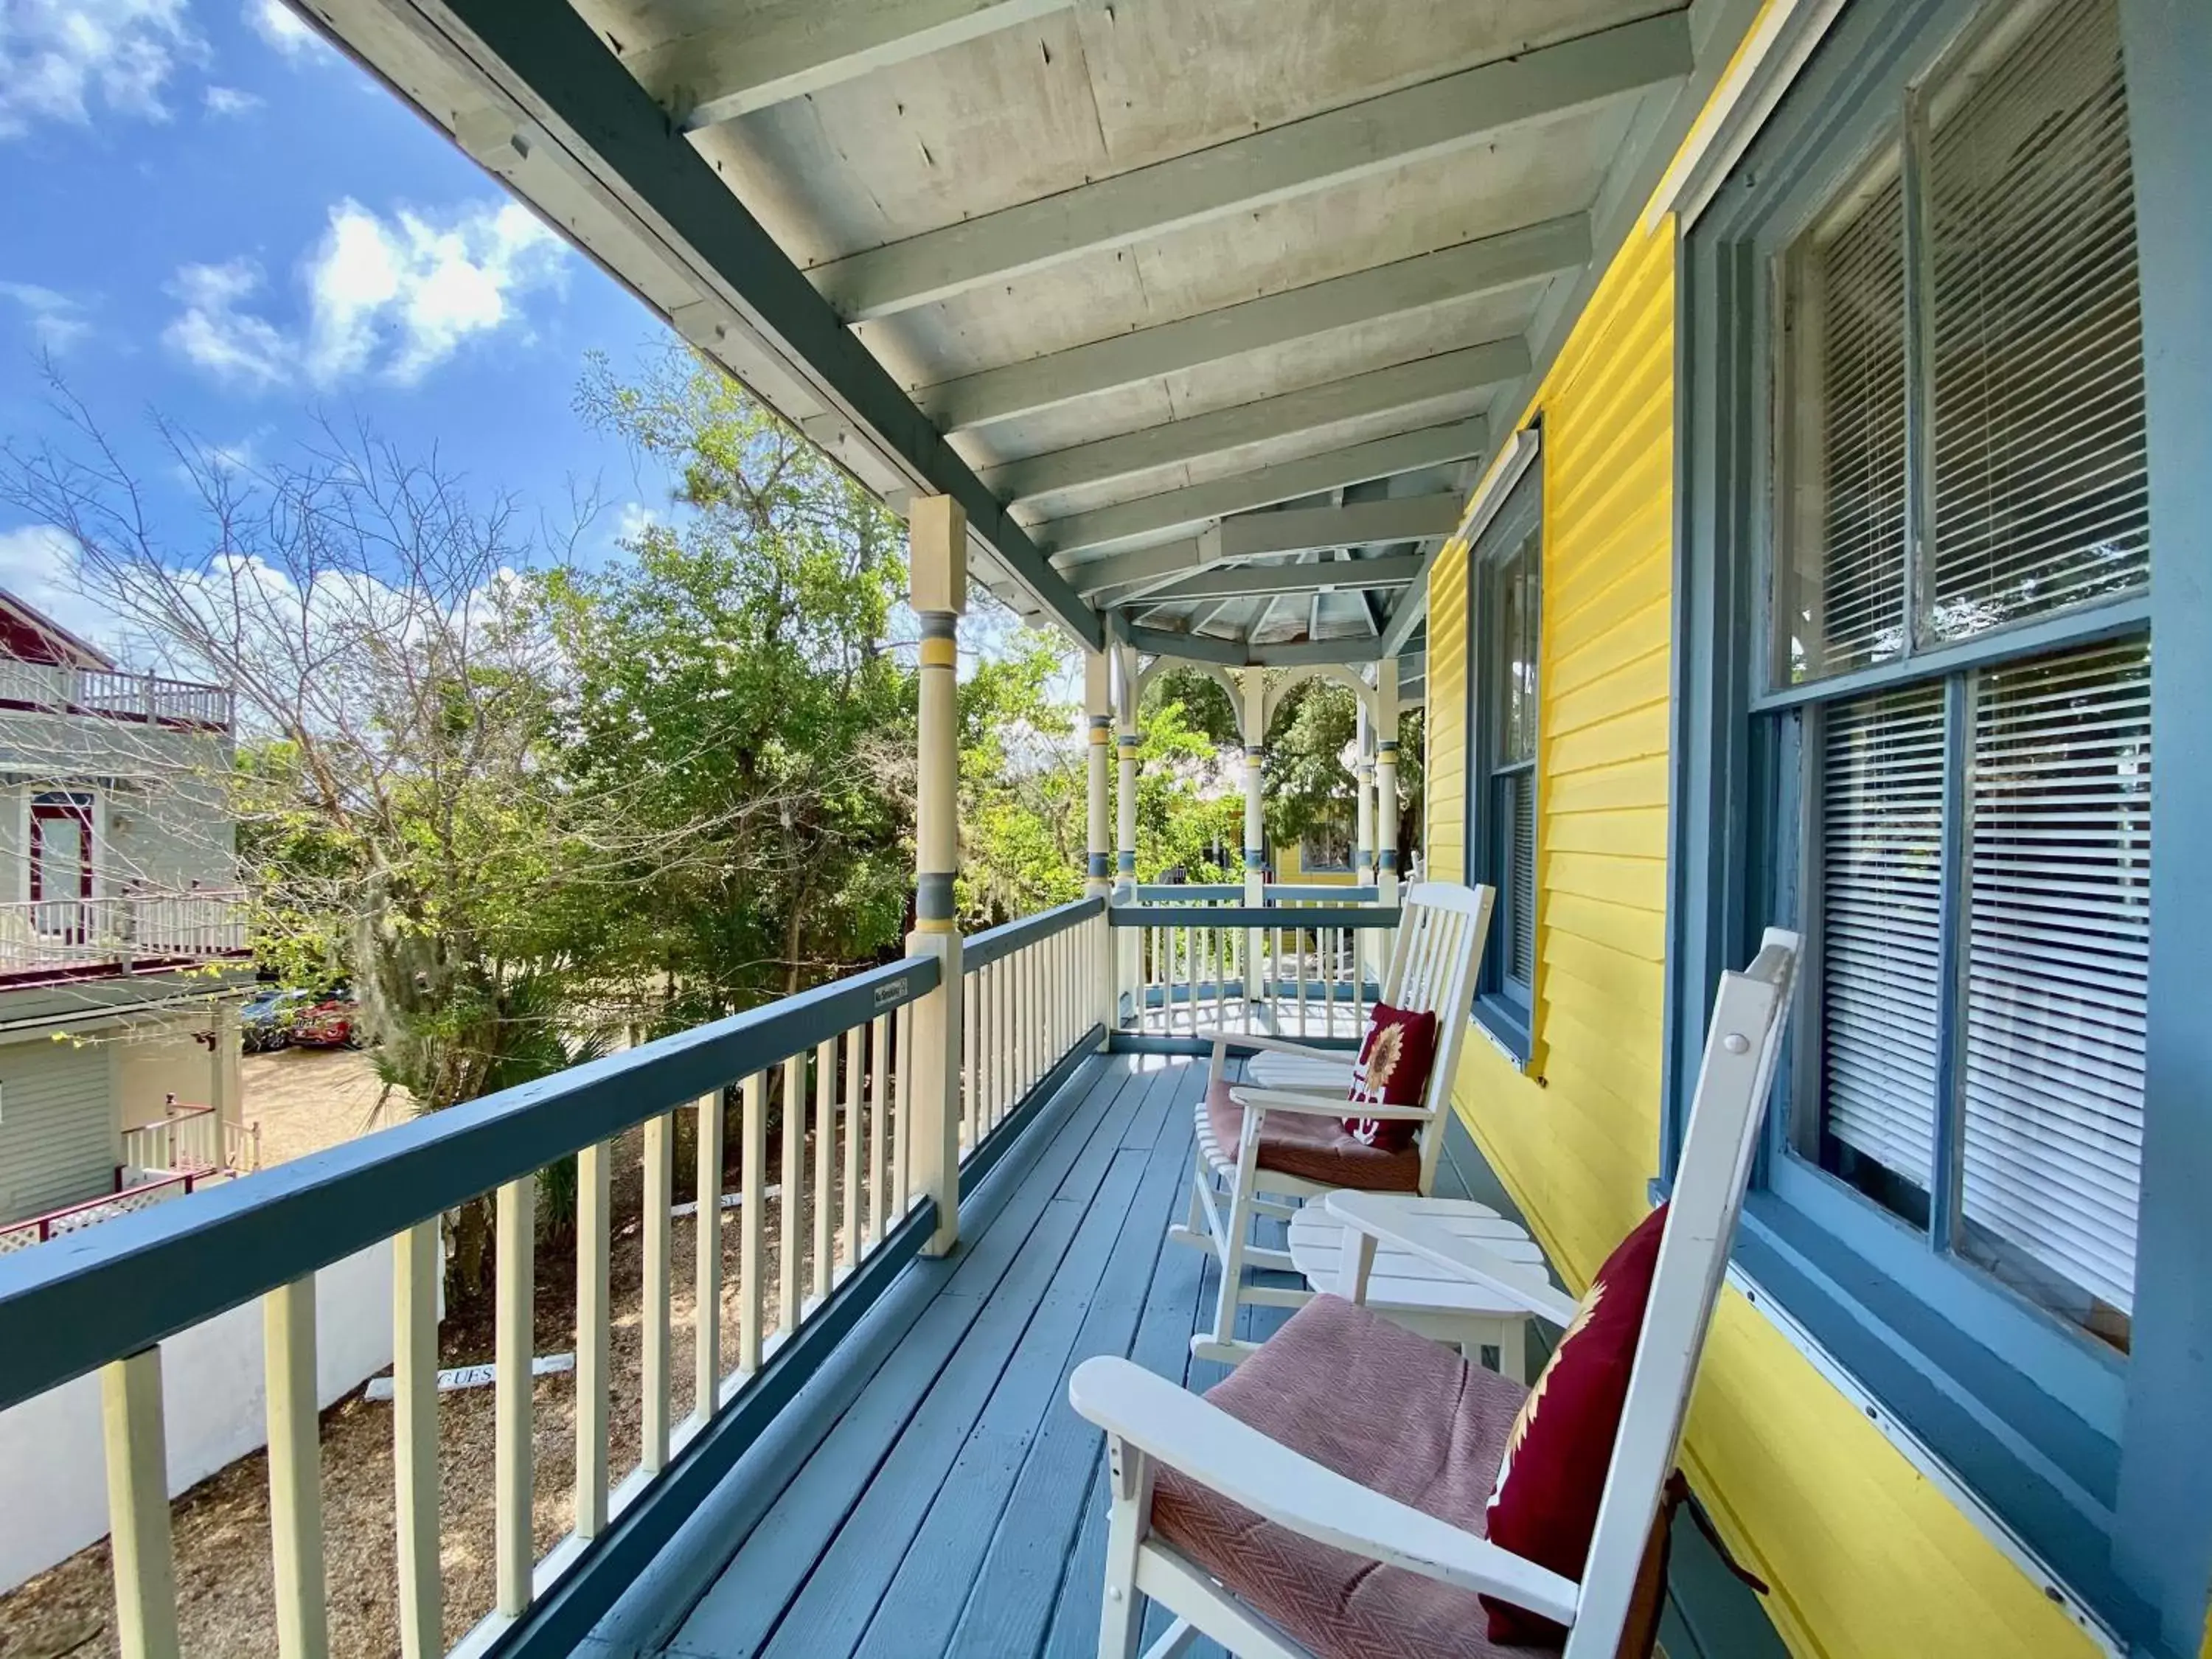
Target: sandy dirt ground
<point>306,1099</point>
<point>221,1527</point>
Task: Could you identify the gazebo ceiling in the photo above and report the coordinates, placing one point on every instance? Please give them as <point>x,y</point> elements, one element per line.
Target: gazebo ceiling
<point>1208,310</point>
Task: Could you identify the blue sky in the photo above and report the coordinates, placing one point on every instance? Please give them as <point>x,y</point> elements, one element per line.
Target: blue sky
<point>209,213</point>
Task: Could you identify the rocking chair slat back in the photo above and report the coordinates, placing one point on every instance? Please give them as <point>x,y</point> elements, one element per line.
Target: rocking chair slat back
<point>1741,1046</point>
<point>1433,965</point>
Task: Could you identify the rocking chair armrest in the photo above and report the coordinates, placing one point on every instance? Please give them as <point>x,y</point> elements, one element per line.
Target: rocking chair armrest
<point>1205,1443</point>
<point>1224,1040</point>
<point>1384,1216</point>
<point>1320,1105</point>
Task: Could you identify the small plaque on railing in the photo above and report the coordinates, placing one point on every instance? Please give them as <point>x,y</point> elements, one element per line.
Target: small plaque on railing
<point>891,994</point>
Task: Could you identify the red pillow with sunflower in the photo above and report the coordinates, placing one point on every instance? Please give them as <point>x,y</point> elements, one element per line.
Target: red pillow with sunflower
<point>1396,1054</point>
<point>1544,1507</point>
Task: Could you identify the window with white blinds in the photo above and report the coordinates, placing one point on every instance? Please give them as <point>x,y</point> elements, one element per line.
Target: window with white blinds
<point>2041,483</point>
<point>1506,589</point>
<point>1962,444</point>
<point>2057,955</point>
<point>1519,603</point>
<point>1881,842</point>
<point>2033,495</point>
<point>1843,585</point>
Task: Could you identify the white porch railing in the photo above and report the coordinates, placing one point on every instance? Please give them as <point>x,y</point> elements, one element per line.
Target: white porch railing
<point>832,1174</point>
<point>63,932</point>
<point>1031,989</point>
<point>108,694</point>
<point>1303,968</point>
<point>194,1140</point>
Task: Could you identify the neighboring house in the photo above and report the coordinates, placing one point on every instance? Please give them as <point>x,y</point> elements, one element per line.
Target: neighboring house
<point>121,931</point>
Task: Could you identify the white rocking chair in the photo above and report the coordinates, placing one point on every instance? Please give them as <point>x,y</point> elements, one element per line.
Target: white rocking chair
<point>1262,1151</point>
<point>1229,1547</point>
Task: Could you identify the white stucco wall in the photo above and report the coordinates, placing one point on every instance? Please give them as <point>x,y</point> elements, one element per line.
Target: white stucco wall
<point>53,1479</point>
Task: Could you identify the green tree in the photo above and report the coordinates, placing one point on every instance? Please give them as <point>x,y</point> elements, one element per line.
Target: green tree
<point>1207,708</point>
<point>1307,782</point>
<point>736,666</point>
<point>1024,800</point>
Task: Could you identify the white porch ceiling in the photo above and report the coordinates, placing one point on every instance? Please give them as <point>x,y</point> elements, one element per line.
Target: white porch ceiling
<point>1132,273</point>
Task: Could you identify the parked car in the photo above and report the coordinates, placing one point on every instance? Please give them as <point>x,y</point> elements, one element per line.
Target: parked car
<point>266,1020</point>
<point>332,1023</point>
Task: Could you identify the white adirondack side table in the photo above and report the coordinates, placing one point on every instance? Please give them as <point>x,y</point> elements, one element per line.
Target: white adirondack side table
<point>1421,1296</point>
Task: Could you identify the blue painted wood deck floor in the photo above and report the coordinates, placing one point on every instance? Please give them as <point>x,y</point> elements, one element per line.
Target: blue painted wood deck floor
<point>935,1493</point>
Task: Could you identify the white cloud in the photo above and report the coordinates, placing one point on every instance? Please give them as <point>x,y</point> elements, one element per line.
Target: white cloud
<point>214,332</point>
<point>56,320</point>
<point>393,298</point>
<point>35,566</point>
<point>59,58</point>
<point>229,100</point>
<point>635,519</point>
<point>282,28</point>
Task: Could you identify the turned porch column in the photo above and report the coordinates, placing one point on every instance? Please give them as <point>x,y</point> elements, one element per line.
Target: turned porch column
<point>1386,781</point>
<point>937,532</point>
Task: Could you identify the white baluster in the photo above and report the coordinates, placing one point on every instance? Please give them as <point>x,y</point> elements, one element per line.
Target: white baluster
<point>514,1350</point>
<point>141,1551</point>
<point>660,1248</point>
<point>295,1483</point>
<point>707,1263</point>
<point>416,1266</point>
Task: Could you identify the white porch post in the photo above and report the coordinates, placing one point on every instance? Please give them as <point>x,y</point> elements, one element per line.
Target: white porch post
<point>937,533</point>
<point>1128,940</point>
<point>1253,685</point>
<point>1386,781</point>
<point>1363,786</point>
<point>1098,850</point>
<point>223,1075</point>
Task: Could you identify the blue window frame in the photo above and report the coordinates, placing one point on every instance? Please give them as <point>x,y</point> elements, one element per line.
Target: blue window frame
<point>1911,716</point>
<point>1506,589</point>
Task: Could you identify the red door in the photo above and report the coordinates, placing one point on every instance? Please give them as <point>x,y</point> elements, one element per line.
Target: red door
<point>61,864</point>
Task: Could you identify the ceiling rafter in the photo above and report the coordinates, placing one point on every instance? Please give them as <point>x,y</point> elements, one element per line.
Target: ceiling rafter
<point>1345,575</point>
<point>1451,113</point>
<point>1404,387</point>
<point>1488,265</point>
<point>1435,446</point>
<point>762,56</point>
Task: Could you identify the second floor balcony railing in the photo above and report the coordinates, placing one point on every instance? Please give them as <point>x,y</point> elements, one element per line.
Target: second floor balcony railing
<point>118,930</point>
<point>112,693</point>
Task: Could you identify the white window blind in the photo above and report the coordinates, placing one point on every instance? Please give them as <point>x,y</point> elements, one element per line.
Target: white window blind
<point>1520,612</point>
<point>1521,876</point>
<point>2040,477</point>
<point>2058,954</point>
<point>1846,601</point>
<point>1881,892</point>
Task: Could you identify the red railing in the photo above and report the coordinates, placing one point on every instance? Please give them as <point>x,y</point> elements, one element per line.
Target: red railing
<point>38,1228</point>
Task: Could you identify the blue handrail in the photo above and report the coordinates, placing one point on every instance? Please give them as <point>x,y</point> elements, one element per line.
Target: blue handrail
<point>71,1305</point>
<point>1004,940</point>
<point>1252,916</point>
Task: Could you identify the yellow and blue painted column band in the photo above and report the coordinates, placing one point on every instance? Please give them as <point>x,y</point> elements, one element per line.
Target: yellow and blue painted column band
<point>1098,864</point>
<point>933,889</point>
<point>1256,754</point>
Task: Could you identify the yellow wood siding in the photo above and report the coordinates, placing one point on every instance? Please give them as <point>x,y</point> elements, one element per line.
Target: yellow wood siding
<point>1444,746</point>
<point>1866,1557</point>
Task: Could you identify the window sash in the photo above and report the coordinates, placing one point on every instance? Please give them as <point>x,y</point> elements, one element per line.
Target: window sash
<point>1978,985</point>
<point>1931,512</point>
<point>1505,589</point>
